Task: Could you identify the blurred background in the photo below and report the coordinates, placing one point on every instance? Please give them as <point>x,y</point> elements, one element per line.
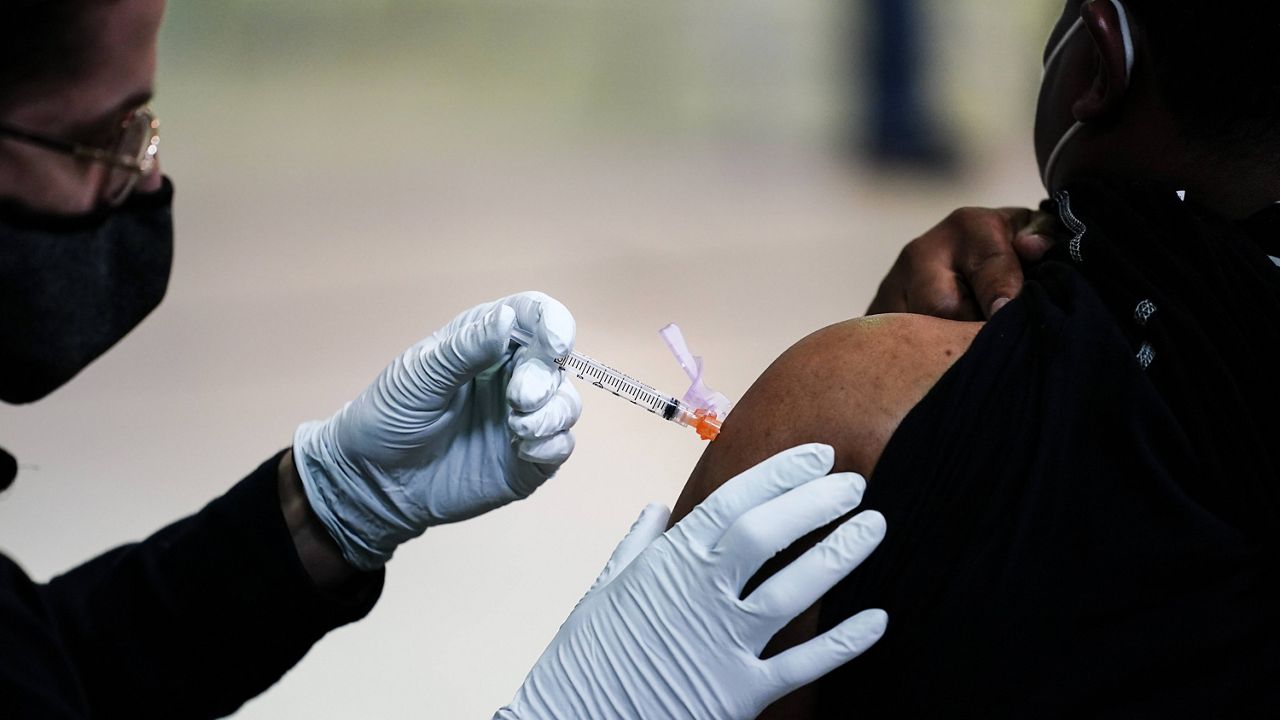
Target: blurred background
<point>352,173</point>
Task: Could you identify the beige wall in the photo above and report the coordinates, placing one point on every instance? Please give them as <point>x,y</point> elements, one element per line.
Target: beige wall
<point>350,174</point>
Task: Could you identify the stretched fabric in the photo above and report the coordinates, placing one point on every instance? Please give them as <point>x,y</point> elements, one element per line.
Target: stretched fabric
<point>1083,512</point>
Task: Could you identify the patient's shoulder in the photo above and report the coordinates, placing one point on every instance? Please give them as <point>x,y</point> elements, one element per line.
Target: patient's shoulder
<point>848,385</point>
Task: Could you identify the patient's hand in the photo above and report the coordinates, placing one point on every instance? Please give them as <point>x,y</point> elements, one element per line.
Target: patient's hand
<point>967,266</point>
<point>849,386</point>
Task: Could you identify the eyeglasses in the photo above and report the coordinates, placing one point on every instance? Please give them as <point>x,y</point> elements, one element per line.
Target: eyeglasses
<point>131,155</point>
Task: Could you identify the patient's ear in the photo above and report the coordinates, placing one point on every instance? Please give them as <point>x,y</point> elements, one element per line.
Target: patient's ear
<point>1112,57</point>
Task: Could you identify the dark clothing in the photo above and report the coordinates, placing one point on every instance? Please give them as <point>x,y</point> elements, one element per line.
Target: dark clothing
<point>1084,512</point>
<point>189,623</point>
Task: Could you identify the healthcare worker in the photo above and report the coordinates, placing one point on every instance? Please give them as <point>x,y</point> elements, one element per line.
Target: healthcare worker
<point>213,609</point>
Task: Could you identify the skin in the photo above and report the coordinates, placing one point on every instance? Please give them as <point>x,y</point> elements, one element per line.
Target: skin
<point>873,374</point>
<point>873,370</point>
<point>962,267</point>
<point>118,76</point>
<point>967,266</point>
<point>1130,131</point>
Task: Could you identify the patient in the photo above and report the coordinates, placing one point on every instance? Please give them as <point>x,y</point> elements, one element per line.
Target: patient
<point>1082,494</point>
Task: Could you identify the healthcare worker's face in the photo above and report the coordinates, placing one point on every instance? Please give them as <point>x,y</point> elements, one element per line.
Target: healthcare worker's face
<point>84,256</point>
<point>118,72</point>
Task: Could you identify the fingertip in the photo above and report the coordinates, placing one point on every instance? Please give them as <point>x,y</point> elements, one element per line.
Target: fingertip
<point>798,465</point>
<point>851,483</point>
<point>875,620</point>
<point>651,522</point>
<point>554,450</point>
<point>546,318</point>
<point>873,521</point>
<point>654,512</point>
<point>940,294</point>
<point>558,414</point>
<point>1031,246</point>
<point>999,303</point>
<point>533,383</point>
<point>558,326</point>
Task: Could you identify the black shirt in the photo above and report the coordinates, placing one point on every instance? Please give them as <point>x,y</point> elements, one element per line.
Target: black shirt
<point>189,623</point>
<point>1084,512</point>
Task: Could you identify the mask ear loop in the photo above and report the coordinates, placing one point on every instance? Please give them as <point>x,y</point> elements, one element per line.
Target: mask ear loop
<point>1057,150</point>
<point>1057,50</point>
<point>1126,36</point>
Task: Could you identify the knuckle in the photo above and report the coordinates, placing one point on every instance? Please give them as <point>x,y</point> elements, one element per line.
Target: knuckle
<point>1017,217</point>
<point>991,225</point>
<point>961,215</point>
<point>908,253</point>
<point>983,257</point>
<point>973,221</point>
<point>885,293</point>
<point>946,308</point>
<point>936,301</point>
<point>913,255</point>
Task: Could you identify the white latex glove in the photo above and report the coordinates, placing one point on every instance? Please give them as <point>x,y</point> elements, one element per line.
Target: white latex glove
<point>456,426</point>
<point>663,633</point>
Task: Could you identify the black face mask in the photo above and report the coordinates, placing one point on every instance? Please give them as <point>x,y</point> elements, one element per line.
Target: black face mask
<point>73,286</point>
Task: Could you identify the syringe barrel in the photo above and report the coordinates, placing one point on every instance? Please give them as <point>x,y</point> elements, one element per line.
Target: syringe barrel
<point>620,384</point>
<point>628,388</point>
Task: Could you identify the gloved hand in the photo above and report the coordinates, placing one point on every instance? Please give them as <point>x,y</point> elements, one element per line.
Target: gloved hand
<point>456,426</point>
<point>967,266</point>
<point>663,634</point>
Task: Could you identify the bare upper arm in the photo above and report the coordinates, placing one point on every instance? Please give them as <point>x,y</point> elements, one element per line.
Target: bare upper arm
<point>848,385</point>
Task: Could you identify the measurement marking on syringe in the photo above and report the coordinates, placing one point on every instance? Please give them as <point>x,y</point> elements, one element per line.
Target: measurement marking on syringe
<point>605,379</point>
<point>631,390</point>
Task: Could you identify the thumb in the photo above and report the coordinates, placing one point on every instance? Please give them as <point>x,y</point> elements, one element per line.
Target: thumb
<point>1031,246</point>
<point>455,360</point>
<point>995,280</point>
<point>647,528</point>
<point>991,266</point>
<point>550,322</point>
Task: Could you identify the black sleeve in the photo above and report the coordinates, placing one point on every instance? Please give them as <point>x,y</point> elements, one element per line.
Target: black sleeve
<point>1082,514</point>
<point>201,616</point>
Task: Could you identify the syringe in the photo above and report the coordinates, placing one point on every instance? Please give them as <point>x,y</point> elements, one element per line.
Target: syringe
<point>668,407</point>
